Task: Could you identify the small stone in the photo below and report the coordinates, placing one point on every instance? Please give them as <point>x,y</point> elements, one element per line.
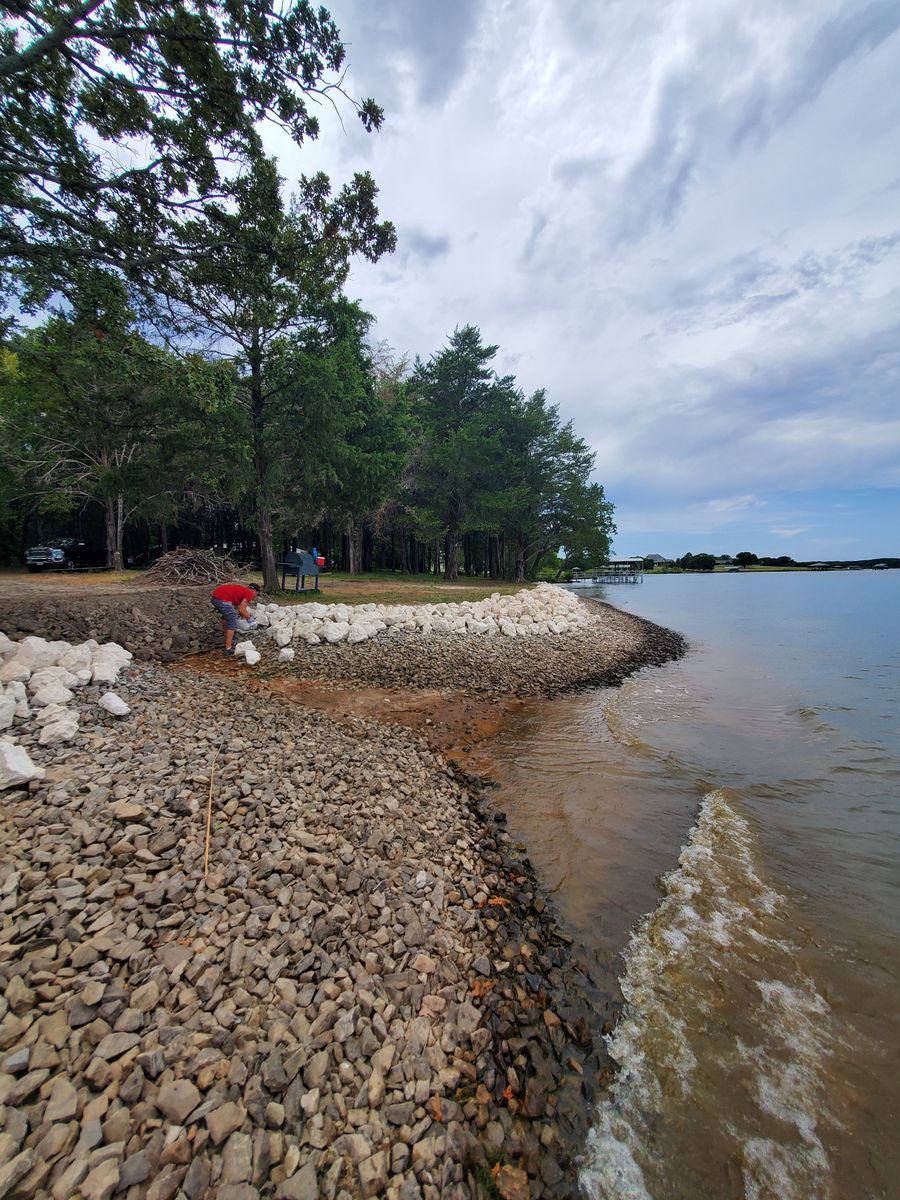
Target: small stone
<point>237,1159</point>
<point>512,1183</point>
<point>70,1179</point>
<point>224,1121</point>
<point>301,1186</point>
<point>134,1170</point>
<point>17,1168</point>
<point>177,1100</point>
<point>101,1182</point>
<point>92,992</point>
<point>127,810</point>
<point>197,1179</point>
<point>63,1102</point>
<point>373,1174</point>
<point>114,1045</point>
<point>146,997</point>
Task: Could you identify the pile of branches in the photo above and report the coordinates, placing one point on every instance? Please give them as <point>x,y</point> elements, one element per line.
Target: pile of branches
<point>186,566</point>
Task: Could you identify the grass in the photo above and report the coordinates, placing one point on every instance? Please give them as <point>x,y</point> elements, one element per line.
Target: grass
<point>335,587</point>
<point>388,587</point>
<point>70,579</point>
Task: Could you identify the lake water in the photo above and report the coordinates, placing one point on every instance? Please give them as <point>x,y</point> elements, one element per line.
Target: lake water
<point>724,834</point>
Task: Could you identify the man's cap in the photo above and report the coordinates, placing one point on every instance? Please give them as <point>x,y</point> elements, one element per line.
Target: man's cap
<point>254,586</point>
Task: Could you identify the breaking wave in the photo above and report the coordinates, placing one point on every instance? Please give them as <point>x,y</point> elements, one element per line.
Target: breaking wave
<point>724,1044</point>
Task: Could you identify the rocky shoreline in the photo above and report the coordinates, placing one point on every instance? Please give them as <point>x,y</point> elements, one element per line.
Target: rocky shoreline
<point>366,995</point>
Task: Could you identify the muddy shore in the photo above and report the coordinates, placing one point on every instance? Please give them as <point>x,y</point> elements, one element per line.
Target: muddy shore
<point>366,994</point>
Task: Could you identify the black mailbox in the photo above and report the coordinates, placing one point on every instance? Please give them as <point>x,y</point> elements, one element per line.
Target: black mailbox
<point>299,563</point>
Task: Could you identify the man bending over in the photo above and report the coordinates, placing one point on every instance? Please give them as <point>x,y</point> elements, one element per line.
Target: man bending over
<point>232,600</point>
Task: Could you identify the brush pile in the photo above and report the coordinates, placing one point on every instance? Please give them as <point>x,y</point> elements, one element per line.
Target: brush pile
<point>187,566</point>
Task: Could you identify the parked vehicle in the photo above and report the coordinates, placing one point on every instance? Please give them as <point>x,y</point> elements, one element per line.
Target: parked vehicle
<point>45,558</point>
<point>65,555</point>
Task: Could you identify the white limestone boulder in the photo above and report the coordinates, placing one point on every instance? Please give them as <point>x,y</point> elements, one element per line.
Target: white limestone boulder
<point>15,669</point>
<point>8,706</point>
<point>50,713</point>
<point>51,693</point>
<point>282,636</point>
<point>37,652</point>
<point>337,631</point>
<point>49,675</point>
<point>62,730</point>
<point>286,654</point>
<point>76,658</point>
<point>359,632</point>
<point>252,657</point>
<point>114,704</point>
<point>104,670</point>
<point>16,768</point>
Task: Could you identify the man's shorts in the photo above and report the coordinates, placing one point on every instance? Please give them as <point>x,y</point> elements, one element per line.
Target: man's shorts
<point>227,612</point>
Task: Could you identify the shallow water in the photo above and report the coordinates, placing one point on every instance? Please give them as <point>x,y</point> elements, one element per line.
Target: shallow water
<point>754,786</point>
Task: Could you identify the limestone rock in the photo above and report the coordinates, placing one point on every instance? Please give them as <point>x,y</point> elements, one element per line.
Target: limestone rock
<point>114,704</point>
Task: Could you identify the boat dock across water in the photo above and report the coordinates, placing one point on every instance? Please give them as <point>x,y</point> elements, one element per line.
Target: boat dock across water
<point>616,570</point>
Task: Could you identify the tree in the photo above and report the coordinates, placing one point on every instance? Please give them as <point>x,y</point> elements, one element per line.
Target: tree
<point>539,494</point>
<point>450,395</point>
<point>698,562</point>
<point>268,303</point>
<point>120,118</point>
<point>95,414</point>
<point>745,559</point>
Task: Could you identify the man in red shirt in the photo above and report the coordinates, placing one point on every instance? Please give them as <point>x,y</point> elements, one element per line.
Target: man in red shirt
<point>232,600</point>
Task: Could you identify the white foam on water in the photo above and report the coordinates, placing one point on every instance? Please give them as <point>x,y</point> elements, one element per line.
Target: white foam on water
<point>717,954</point>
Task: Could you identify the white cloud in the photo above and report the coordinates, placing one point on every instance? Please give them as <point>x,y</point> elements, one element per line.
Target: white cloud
<point>680,219</point>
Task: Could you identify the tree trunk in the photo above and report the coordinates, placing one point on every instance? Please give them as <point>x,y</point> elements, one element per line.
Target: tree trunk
<point>109,514</point>
<point>521,549</point>
<point>404,551</point>
<point>163,538</point>
<point>267,549</point>
<point>451,569</point>
<point>261,469</point>
<point>118,556</point>
<point>494,556</point>
<point>354,547</point>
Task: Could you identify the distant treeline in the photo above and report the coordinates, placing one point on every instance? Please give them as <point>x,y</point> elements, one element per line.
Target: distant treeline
<point>745,559</point>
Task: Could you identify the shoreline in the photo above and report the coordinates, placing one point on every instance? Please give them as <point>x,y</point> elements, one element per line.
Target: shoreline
<point>453,956</point>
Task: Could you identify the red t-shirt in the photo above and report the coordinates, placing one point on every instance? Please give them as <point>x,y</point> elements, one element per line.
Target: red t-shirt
<point>233,593</point>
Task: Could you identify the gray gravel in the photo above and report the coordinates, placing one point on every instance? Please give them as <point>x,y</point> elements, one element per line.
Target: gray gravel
<point>366,995</point>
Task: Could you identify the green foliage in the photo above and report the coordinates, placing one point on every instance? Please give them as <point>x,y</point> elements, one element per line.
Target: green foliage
<point>92,413</point>
<point>698,562</point>
<point>745,558</point>
<point>120,120</point>
<point>488,458</point>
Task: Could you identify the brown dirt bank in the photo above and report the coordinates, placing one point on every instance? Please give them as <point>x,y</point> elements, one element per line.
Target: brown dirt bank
<point>153,623</point>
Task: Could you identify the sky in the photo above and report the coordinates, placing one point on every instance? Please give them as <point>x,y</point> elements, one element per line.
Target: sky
<point>681,219</point>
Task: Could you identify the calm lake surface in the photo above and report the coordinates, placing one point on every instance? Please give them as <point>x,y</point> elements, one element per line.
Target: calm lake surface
<point>724,834</point>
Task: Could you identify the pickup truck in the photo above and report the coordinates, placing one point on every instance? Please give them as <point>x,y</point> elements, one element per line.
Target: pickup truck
<point>40,558</point>
<point>66,555</point>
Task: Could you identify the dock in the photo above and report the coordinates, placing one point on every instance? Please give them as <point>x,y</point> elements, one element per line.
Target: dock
<point>616,570</point>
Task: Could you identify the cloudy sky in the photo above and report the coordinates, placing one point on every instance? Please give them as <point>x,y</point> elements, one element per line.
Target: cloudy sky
<point>681,218</point>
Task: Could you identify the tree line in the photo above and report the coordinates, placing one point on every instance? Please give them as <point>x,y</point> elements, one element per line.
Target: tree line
<point>180,362</point>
